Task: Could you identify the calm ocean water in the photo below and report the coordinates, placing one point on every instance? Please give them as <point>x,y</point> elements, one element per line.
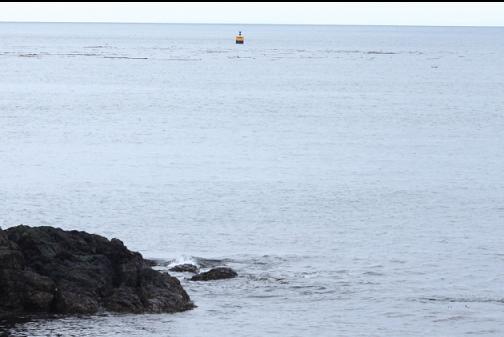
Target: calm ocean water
<point>353,176</point>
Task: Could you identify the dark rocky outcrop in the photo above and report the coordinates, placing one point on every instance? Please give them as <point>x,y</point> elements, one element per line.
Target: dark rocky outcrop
<point>185,268</point>
<point>48,270</point>
<point>215,274</point>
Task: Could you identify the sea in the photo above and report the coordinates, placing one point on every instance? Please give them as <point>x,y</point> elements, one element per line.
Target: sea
<point>353,176</point>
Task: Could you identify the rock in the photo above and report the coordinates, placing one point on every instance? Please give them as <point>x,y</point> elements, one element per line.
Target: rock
<point>49,270</point>
<point>185,268</point>
<point>215,274</point>
<point>151,263</point>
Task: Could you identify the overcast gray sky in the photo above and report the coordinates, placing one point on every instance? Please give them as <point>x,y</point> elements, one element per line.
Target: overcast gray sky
<point>377,13</point>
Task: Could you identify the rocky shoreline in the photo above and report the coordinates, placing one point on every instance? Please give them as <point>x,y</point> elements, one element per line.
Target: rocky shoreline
<point>46,270</point>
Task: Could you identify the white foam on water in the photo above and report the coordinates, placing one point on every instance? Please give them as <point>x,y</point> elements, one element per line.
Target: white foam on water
<point>183,259</point>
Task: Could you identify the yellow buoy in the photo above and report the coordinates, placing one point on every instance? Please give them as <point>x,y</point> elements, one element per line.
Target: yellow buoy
<point>239,38</point>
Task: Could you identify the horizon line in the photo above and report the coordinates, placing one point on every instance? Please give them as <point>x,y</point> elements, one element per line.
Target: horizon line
<point>256,24</point>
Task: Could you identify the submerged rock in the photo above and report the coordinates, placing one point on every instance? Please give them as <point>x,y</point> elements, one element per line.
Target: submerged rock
<point>215,274</point>
<point>185,268</point>
<point>49,270</point>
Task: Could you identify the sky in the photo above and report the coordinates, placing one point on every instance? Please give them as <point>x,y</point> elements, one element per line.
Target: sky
<point>341,13</point>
